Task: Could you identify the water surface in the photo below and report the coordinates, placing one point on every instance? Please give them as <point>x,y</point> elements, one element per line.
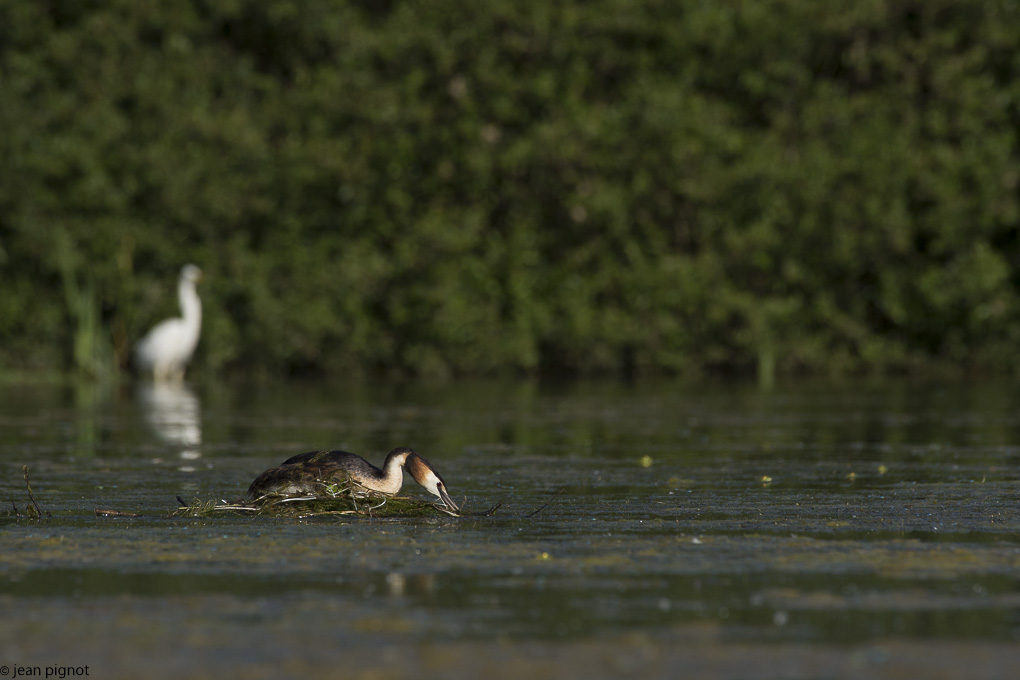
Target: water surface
<point>645,530</point>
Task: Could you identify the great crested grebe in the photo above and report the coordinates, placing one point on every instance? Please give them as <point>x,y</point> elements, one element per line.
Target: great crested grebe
<point>306,473</point>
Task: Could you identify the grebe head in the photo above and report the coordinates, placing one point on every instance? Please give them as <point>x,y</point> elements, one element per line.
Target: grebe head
<point>426,475</point>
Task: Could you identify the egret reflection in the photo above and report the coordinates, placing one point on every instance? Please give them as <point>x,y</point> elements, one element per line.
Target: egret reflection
<point>173,412</point>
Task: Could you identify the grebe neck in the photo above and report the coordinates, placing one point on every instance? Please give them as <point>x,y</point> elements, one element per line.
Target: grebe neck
<point>391,477</point>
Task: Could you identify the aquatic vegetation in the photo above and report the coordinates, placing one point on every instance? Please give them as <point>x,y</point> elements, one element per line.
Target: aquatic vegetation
<point>339,502</point>
<point>337,496</point>
<point>32,509</point>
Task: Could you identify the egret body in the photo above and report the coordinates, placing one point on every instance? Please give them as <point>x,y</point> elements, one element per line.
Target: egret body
<point>165,351</point>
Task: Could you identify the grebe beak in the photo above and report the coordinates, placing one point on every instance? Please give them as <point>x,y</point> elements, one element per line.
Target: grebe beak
<point>441,488</point>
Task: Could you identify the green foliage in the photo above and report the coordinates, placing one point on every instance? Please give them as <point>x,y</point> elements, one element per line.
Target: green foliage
<point>457,188</point>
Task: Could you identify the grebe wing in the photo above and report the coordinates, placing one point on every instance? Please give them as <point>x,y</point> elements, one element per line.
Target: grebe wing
<point>319,457</point>
<point>350,463</point>
<point>302,474</point>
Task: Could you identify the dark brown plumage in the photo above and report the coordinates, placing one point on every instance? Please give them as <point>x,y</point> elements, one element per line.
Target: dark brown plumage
<point>308,474</point>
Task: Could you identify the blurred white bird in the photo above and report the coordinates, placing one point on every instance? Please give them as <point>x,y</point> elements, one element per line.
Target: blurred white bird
<point>165,351</point>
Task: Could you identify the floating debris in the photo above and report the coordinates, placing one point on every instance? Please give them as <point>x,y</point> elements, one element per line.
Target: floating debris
<point>101,512</point>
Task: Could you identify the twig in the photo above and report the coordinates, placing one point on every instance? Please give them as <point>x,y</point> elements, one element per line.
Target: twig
<point>546,504</point>
<point>17,514</point>
<point>330,512</point>
<point>374,507</point>
<point>293,499</point>
<point>115,513</point>
<point>275,498</point>
<point>442,508</point>
<point>491,511</point>
<point>31,496</point>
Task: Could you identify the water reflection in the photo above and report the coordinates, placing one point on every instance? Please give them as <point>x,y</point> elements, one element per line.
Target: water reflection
<point>173,411</point>
<point>401,585</point>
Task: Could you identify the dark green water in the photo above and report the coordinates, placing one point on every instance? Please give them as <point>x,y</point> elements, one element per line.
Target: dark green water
<point>682,531</point>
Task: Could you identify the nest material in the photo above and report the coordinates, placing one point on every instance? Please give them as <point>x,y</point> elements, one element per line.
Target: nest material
<point>331,498</point>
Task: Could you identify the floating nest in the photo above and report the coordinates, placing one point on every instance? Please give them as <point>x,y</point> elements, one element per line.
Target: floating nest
<point>332,498</point>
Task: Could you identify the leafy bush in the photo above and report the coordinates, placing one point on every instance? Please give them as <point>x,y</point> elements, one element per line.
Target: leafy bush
<point>447,188</point>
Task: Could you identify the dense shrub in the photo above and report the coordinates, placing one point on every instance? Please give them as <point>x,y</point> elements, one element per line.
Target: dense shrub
<point>436,187</point>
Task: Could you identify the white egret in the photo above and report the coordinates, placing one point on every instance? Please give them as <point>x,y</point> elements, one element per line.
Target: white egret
<point>165,351</point>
